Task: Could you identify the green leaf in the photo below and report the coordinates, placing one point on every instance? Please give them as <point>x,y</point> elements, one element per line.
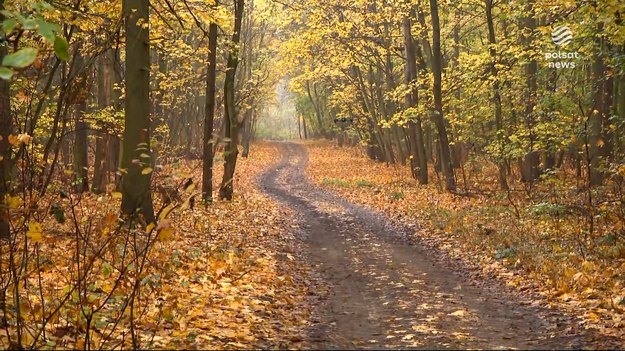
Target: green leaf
<point>21,58</point>
<point>6,73</point>
<point>41,6</point>
<point>46,30</point>
<point>61,48</point>
<point>107,269</point>
<point>9,24</point>
<point>30,24</point>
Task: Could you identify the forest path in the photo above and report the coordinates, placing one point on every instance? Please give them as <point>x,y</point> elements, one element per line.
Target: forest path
<point>386,293</point>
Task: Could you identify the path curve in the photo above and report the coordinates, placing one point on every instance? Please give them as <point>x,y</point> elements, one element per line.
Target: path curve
<point>386,293</point>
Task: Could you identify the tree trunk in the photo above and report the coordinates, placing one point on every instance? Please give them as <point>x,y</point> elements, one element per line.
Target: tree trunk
<point>230,113</point>
<point>105,100</point>
<point>136,192</point>
<point>531,161</point>
<point>600,136</point>
<point>80,157</point>
<point>418,160</point>
<point>81,179</point>
<point>439,119</point>
<point>503,182</point>
<point>249,112</point>
<point>6,128</point>
<point>317,110</point>
<point>209,114</point>
<point>247,132</point>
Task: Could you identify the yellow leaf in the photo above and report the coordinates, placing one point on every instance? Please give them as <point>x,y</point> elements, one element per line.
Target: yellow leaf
<point>13,140</point>
<point>150,227</point>
<point>146,171</point>
<point>588,266</point>
<point>593,317</point>
<point>166,211</point>
<point>13,201</point>
<point>25,138</point>
<point>190,188</point>
<point>116,195</point>
<point>165,234</point>
<point>27,339</point>
<point>35,232</point>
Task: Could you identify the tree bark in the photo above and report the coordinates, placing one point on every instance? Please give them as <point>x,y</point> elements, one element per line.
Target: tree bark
<point>439,118</point>
<point>136,192</point>
<point>209,114</point>
<point>600,138</point>
<point>530,170</point>
<point>503,183</point>
<point>418,160</point>
<point>317,108</point>
<point>231,152</point>
<point>6,128</point>
<point>249,60</point>
<point>105,100</point>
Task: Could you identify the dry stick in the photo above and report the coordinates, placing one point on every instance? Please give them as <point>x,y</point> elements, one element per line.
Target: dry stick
<point>43,301</point>
<point>242,275</point>
<point>591,219</point>
<point>516,208</point>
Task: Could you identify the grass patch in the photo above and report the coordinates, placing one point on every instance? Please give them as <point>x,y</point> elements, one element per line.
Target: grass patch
<point>363,183</point>
<point>397,195</point>
<point>335,182</point>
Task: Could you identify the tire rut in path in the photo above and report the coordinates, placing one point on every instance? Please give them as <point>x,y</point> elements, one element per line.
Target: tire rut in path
<point>386,293</point>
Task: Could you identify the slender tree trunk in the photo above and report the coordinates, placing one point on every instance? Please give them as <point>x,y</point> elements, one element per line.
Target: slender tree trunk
<point>230,113</point>
<point>81,179</point>
<point>80,157</point>
<point>503,183</point>
<point>6,128</point>
<point>115,151</point>
<point>600,136</point>
<point>105,99</point>
<point>317,110</point>
<point>530,171</point>
<point>247,132</point>
<point>249,60</point>
<point>136,192</point>
<point>209,115</point>
<point>619,102</point>
<point>418,160</point>
<point>439,118</point>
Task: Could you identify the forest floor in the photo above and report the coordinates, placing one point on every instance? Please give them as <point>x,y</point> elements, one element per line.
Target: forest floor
<point>320,248</point>
<point>381,286</point>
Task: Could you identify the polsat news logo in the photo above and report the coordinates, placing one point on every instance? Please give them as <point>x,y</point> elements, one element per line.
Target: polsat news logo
<point>561,36</point>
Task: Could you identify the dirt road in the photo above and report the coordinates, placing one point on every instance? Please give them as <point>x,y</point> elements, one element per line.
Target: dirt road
<point>386,293</point>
